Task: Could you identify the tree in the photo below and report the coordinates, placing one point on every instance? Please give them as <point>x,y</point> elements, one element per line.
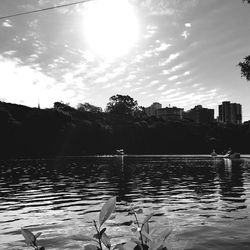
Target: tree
<point>139,112</point>
<point>121,104</point>
<point>63,106</point>
<point>87,107</point>
<point>245,65</point>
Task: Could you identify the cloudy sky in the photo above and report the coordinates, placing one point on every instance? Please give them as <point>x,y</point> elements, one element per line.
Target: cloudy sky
<point>179,53</point>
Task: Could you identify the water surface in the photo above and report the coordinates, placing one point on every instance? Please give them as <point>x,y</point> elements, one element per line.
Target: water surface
<point>206,201</point>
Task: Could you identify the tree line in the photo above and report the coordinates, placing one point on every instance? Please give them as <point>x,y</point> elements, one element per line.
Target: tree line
<point>67,131</point>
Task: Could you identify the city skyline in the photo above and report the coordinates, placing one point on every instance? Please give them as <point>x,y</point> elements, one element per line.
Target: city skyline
<point>182,54</point>
<point>227,112</point>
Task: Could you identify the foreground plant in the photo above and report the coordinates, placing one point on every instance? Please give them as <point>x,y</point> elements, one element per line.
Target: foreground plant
<point>145,240</point>
<point>100,238</point>
<point>31,239</point>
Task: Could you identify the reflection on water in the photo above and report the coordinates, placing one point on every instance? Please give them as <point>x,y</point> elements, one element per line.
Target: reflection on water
<point>205,200</point>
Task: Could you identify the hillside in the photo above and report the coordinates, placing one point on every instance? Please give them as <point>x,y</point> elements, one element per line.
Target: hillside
<point>33,132</point>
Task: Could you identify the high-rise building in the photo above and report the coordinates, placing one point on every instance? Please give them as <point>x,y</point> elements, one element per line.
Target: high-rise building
<point>151,110</point>
<point>198,114</point>
<point>170,113</point>
<point>230,113</point>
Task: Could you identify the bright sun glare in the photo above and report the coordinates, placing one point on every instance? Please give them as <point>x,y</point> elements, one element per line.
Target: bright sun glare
<point>110,27</point>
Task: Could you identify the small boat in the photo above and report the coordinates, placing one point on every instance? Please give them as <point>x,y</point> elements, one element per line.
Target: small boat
<point>213,154</point>
<point>232,155</point>
<point>119,151</point>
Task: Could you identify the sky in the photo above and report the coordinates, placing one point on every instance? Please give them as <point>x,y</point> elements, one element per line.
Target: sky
<point>179,53</point>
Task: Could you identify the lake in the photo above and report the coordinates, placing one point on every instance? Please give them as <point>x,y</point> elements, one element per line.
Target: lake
<point>206,201</point>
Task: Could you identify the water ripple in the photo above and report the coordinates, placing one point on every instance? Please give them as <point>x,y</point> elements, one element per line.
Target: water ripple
<point>199,197</point>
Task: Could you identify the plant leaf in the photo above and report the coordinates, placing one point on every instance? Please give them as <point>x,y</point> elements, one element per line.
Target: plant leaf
<point>147,218</point>
<point>129,245</point>
<point>29,237</point>
<point>106,240</point>
<point>139,211</point>
<point>131,212</point>
<point>91,247</point>
<point>119,247</point>
<point>107,209</point>
<point>147,236</point>
<point>40,248</point>
<point>153,231</point>
<point>165,233</point>
<point>80,237</point>
<point>112,217</point>
<point>156,244</point>
<point>145,227</point>
<point>37,234</point>
<point>145,232</point>
<point>136,241</point>
<point>102,232</point>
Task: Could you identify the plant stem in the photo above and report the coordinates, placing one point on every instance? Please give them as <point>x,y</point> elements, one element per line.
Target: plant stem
<point>98,234</point>
<point>137,222</point>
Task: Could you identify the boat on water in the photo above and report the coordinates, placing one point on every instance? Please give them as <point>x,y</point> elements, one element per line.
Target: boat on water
<point>119,151</point>
<point>213,154</point>
<point>232,156</point>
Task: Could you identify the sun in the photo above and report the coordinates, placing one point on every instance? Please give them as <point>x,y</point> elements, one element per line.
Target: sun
<point>110,27</point>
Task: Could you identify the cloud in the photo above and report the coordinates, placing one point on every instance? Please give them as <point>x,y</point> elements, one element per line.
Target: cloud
<point>178,83</point>
<point>196,85</point>
<point>162,87</point>
<point>195,98</point>
<point>173,95</point>
<point>10,53</point>
<point>7,23</point>
<point>162,47</point>
<point>188,25</point>
<point>65,10</point>
<point>29,84</point>
<point>152,83</point>
<point>173,69</point>
<point>173,77</point>
<point>185,34</point>
<point>151,30</point>
<point>130,77</point>
<point>212,91</point>
<point>148,53</point>
<point>159,7</point>
<point>186,73</point>
<point>166,7</point>
<point>169,91</point>
<point>152,51</point>
<point>169,59</point>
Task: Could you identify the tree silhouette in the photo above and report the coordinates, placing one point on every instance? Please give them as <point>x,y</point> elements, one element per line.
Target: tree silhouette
<point>63,106</point>
<point>87,107</point>
<point>245,65</point>
<point>121,104</point>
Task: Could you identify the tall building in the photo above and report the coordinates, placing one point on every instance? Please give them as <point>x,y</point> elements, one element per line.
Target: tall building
<point>170,114</point>
<point>230,113</point>
<point>198,114</point>
<point>151,110</point>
